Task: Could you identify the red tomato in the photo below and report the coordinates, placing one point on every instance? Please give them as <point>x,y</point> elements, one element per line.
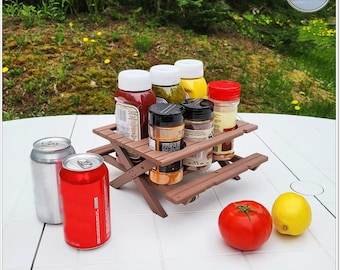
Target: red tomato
<point>245,225</point>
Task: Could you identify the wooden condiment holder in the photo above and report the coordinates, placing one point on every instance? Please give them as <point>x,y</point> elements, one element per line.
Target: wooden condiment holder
<point>181,193</point>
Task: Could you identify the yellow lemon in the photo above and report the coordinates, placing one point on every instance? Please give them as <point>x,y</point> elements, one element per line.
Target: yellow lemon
<point>291,214</point>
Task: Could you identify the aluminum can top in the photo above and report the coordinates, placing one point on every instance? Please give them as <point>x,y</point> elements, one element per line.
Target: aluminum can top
<point>51,149</point>
<point>83,162</point>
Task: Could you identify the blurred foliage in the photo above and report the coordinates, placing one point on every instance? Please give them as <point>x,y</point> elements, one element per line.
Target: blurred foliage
<point>66,56</point>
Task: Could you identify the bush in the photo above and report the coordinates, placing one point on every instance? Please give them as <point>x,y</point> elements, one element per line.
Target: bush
<point>64,6</point>
<point>198,15</point>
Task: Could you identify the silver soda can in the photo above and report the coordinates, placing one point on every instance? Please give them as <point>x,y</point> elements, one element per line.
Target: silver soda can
<point>46,160</point>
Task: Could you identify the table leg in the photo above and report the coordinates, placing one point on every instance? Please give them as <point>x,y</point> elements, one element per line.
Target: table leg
<point>132,173</point>
<point>137,174</point>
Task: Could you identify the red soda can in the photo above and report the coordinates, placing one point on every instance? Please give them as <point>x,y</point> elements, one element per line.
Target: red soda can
<point>85,200</point>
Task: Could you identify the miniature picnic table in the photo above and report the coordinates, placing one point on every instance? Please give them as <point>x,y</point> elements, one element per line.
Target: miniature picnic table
<point>180,193</point>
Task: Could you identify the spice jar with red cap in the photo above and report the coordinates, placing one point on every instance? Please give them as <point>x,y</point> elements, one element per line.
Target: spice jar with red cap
<point>226,97</point>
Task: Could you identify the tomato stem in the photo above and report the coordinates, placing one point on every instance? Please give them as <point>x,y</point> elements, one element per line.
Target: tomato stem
<point>245,209</point>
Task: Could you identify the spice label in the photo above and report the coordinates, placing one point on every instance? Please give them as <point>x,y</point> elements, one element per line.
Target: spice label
<point>224,120</point>
<point>200,159</point>
<point>167,147</point>
<point>128,121</point>
<point>198,134</point>
<point>170,146</point>
<point>224,149</point>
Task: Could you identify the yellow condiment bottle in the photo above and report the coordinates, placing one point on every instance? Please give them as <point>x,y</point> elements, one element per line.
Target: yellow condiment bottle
<point>192,77</point>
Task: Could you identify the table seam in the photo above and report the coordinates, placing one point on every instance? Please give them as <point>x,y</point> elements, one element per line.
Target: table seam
<point>38,246</point>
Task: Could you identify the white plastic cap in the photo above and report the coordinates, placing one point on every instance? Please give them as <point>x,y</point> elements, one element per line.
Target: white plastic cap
<point>134,80</point>
<point>190,68</point>
<point>166,75</point>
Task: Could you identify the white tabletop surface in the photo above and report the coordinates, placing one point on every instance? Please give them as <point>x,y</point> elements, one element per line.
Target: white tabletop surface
<point>299,149</point>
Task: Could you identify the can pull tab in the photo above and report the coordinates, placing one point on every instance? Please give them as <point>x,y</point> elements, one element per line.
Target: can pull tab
<point>49,144</point>
<point>84,163</point>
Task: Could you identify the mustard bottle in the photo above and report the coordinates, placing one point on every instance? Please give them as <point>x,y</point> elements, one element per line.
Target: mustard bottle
<point>192,77</point>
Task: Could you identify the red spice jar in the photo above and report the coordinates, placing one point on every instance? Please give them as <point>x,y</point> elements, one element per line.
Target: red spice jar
<point>226,97</point>
<point>133,98</point>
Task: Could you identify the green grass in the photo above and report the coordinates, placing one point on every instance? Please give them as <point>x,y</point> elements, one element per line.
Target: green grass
<point>52,67</point>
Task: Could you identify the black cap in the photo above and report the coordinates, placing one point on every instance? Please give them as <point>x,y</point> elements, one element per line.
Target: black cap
<point>166,114</point>
<point>198,109</point>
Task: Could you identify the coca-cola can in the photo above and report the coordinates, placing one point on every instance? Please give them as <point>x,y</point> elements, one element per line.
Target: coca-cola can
<point>46,158</point>
<point>84,190</point>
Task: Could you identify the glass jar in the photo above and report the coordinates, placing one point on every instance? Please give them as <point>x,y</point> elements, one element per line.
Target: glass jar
<point>198,119</point>
<point>166,132</point>
<point>165,81</point>
<point>133,98</point>
<point>226,97</point>
<point>192,77</point>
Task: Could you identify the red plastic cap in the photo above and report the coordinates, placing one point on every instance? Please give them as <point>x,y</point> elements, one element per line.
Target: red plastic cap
<point>224,90</point>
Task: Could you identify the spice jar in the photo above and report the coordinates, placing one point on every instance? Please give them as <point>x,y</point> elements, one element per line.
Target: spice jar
<point>165,81</point>
<point>226,97</point>
<point>166,132</point>
<point>192,77</point>
<point>198,119</point>
<point>133,98</point>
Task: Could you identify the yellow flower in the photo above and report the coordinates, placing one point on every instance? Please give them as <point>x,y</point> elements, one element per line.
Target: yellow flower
<point>70,24</point>
<point>107,61</point>
<point>295,101</point>
<point>135,54</point>
<point>93,40</point>
<point>297,108</point>
<point>302,93</point>
<point>5,69</point>
<point>330,32</point>
<point>268,21</point>
<point>99,33</point>
<point>85,39</point>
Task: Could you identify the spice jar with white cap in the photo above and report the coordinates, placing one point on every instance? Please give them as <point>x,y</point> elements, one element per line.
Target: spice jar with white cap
<point>133,98</point>
<point>166,84</point>
<point>192,77</point>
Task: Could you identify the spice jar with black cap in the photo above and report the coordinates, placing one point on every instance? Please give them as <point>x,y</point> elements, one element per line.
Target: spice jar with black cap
<point>166,133</point>
<point>198,119</point>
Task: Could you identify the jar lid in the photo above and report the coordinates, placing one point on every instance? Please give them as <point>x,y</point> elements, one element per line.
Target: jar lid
<point>166,75</point>
<point>134,80</point>
<point>190,68</point>
<point>166,114</point>
<point>198,109</point>
<point>224,90</point>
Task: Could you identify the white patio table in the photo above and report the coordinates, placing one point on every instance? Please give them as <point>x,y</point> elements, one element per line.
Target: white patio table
<point>299,149</point>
